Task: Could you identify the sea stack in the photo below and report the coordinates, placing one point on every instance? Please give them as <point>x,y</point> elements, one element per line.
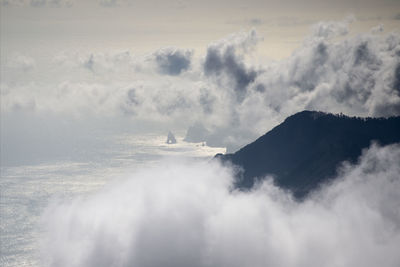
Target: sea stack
<point>171,138</point>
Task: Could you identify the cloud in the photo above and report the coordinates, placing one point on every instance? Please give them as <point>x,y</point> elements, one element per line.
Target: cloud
<point>396,83</point>
<point>172,61</point>
<point>20,62</point>
<point>89,63</point>
<point>234,95</point>
<point>330,29</point>
<point>16,101</point>
<point>166,61</point>
<point>377,29</point>
<point>179,214</point>
<point>99,63</point>
<point>355,75</point>
<point>224,62</point>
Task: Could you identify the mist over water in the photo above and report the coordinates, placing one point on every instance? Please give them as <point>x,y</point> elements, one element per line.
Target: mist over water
<point>180,213</point>
<point>29,185</point>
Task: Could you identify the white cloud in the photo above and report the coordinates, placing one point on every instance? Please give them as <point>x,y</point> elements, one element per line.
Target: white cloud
<point>171,61</point>
<point>235,97</point>
<point>20,62</point>
<point>377,29</point>
<point>180,214</point>
<point>331,29</point>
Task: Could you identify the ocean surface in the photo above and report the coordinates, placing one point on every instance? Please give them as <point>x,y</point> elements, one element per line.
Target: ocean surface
<point>27,189</point>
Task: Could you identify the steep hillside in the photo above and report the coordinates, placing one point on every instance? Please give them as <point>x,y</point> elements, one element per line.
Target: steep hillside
<point>306,149</point>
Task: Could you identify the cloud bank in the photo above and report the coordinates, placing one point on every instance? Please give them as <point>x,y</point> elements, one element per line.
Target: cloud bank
<point>229,91</point>
<point>181,214</point>
<point>20,62</point>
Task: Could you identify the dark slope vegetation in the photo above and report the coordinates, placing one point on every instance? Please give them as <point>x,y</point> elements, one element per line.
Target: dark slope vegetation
<point>306,149</point>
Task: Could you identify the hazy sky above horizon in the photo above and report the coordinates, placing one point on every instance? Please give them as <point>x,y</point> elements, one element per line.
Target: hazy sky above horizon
<point>231,69</point>
<point>147,25</point>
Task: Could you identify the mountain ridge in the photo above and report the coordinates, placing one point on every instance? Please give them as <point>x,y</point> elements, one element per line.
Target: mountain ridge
<point>305,150</point>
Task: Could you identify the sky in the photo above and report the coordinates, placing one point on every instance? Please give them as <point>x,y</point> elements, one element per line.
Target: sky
<point>234,69</point>
<point>147,25</point>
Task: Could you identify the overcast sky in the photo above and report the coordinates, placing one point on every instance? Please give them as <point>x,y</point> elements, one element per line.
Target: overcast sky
<point>147,25</point>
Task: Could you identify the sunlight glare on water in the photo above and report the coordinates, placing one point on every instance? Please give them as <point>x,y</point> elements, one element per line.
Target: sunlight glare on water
<point>26,190</point>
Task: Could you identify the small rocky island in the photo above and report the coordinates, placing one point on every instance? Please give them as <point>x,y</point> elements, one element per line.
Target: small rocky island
<point>171,138</point>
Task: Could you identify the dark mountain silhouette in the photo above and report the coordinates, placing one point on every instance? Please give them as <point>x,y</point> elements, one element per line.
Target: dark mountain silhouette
<point>306,149</point>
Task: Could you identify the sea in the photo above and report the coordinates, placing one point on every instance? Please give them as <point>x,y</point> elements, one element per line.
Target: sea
<point>26,189</point>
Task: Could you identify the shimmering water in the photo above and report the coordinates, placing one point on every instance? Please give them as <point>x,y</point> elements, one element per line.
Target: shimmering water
<point>26,190</point>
